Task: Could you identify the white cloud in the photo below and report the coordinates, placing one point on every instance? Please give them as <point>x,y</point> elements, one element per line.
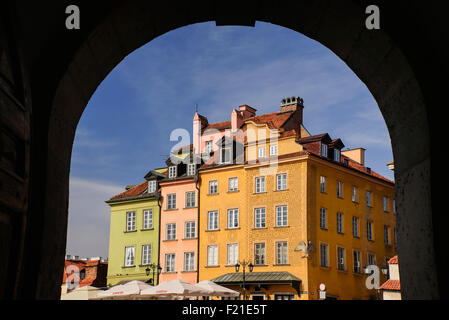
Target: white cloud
<point>89,217</point>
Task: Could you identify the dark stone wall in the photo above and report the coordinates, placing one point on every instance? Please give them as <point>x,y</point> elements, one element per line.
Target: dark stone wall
<point>49,73</point>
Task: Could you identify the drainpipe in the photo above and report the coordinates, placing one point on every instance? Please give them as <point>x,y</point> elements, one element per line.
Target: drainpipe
<point>159,236</point>
<point>198,229</point>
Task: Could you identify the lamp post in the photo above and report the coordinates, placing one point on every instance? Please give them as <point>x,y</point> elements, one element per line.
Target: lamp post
<point>154,268</point>
<point>250,267</point>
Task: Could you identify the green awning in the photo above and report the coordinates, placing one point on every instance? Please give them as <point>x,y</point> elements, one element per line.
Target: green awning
<point>257,277</point>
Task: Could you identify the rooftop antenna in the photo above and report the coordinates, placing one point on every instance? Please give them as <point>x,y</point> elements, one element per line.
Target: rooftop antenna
<point>196,108</point>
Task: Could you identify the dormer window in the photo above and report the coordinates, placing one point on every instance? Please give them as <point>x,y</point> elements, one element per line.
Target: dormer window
<point>191,169</point>
<point>172,172</point>
<point>225,155</point>
<point>324,150</point>
<point>208,146</point>
<point>337,155</point>
<point>151,186</point>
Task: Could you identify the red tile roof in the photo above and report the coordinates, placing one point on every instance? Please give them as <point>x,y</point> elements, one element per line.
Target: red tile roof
<point>82,265</point>
<point>391,285</point>
<point>219,126</point>
<point>132,192</point>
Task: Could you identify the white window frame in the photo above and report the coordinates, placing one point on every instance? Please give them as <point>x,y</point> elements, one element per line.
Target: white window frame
<point>324,150</point>
<point>146,254</point>
<point>355,194</point>
<point>171,201</point>
<point>233,253</point>
<point>260,218</point>
<point>324,256</point>
<point>337,155</point>
<point>339,189</point>
<point>369,198</point>
<point>233,218</point>
<point>131,221</point>
<point>190,229</point>
<point>233,184</point>
<point>148,219</point>
<point>385,203</point>
<point>152,186</point>
<point>356,261</point>
<point>172,172</point>
<point>274,150</point>
<point>281,252</point>
<point>189,261</point>
<point>281,181</point>
<point>212,220</point>
<point>209,146</point>
<point>170,262</point>
<point>213,187</point>
<point>355,227</point>
<point>170,231</point>
<point>190,199</point>
<point>223,152</point>
<point>369,230</point>
<point>341,260</point>
<point>260,254</point>
<point>191,169</point>
<point>387,239</point>
<point>339,222</point>
<point>130,256</point>
<point>261,152</point>
<point>260,185</point>
<point>281,216</point>
<point>212,255</point>
<point>323,218</point>
<point>322,184</point>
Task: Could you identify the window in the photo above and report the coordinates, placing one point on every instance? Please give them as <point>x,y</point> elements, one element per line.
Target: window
<point>284,297</point>
<point>261,152</point>
<point>233,218</point>
<point>190,229</point>
<point>208,146</point>
<point>212,255</point>
<point>323,218</point>
<point>341,258</point>
<point>281,216</point>
<point>324,150</point>
<point>190,199</point>
<point>337,155</point>
<point>394,206</point>
<point>354,194</point>
<point>259,218</point>
<point>355,227</point>
<point>146,254</point>
<point>83,274</point>
<point>281,181</point>
<point>171,231</point>
<point>131,221</point>
<point>339,189</point>
<point>369,202</point>
<point>147,219</point>
<point>172,171</point>
<point>151,186</point>
<point>324,255</point>
<point>233,254</point>
<point>189,261</point>
<point>323,184</point>
<point>259,253</point>
<point>260,184</point>
<point>281,252</point>
<point>274,150</point>
<point>233,184</point>
<point>369,230</point>
<point>212,223</point>
<point>225,155</point>
<point>357,264</point>
<point>385,202</point>
<point>339,222</point>
<point>213,187</point>
<point>129,256</point>
<point>171,201</point>
<point>191,169</point>
<point>386,235</point>
<point>170,262</point>
<point>371,259</point>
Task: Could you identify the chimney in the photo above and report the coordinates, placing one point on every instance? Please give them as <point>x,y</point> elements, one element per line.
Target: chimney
<point>236,120</point>
<point>247,112</point>
<point>293,104</point>
<point>199,123</point>
<point>358,155</point>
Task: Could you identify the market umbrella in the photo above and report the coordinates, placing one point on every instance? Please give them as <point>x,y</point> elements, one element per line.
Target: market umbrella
<point>176,287</point>
<point>124,291</point>
<point>214,289</point>
<point>82,293</point>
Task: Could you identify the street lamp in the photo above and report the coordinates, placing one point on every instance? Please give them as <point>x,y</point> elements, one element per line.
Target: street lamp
<point>237,268</point>
<point>154,268</point>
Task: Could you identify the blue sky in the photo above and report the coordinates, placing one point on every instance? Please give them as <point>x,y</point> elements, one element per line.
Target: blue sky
<point>125,129</point>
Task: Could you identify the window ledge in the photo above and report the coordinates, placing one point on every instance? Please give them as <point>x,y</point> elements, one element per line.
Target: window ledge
<point>175,209</point>
<point>237,228</point>
<point>217,266</point>
<point>260,192</point>
<point>213,194</point>
<point>194,238</point>
<point>195,207</point>
<point>215,230</point>
<point>127,267</point>
<point>169,272</point>
<point>188,271</point>
<point>235,191</point>
<point>131,231</point>
<point>170,240</point>
<point>280,227</point>
<point>149,229</point>
<point>282,265</point>
<point>261,228</point>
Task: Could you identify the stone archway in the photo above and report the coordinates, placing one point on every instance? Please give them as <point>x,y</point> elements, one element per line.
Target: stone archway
<point>76,63</point>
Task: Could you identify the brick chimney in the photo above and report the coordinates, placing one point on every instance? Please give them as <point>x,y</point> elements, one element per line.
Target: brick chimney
<point>199,123</point>
<point>293,104</point>
<point>239,116</point>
